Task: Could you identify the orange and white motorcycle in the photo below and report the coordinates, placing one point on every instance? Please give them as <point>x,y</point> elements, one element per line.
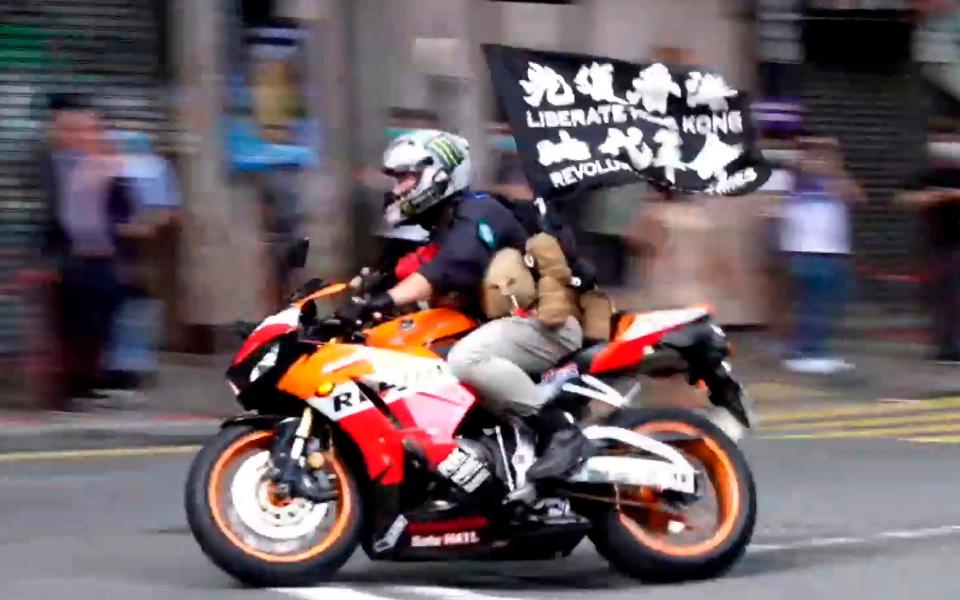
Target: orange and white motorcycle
<point>362,437</point>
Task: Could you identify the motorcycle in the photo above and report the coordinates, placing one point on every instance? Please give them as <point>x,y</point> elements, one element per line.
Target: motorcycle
<point>357,435</point>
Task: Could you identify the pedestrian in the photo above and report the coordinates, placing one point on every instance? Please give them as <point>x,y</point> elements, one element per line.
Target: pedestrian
<point>93,213</point>
<point>52,164</point>
<point>132,359</point>
<point>939,204</point>
<point>816,237</point>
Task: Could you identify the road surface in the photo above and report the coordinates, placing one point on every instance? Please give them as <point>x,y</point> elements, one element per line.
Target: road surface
<point>858,503</point>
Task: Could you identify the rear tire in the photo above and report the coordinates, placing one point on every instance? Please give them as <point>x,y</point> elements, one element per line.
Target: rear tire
<point>212,513</point>
<point>652,556</point>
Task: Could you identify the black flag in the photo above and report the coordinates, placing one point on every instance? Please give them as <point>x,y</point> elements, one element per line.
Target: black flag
<point>583,122</point>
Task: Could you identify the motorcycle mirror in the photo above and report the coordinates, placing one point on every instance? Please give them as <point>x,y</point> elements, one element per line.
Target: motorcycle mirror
<point>297,253</point>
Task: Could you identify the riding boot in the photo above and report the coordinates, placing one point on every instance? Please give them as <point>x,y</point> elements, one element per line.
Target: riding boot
<point>561,444</point>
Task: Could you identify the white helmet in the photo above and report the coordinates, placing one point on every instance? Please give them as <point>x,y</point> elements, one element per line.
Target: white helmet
<point>442,161</point>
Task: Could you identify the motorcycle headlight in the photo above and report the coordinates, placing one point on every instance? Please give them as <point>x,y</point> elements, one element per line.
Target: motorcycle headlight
<point>266,363</point>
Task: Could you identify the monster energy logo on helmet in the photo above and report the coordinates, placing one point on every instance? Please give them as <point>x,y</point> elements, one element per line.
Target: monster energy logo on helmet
<point>447,150</point>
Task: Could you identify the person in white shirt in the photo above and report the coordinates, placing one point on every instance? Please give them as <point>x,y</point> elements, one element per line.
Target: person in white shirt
<point>816,237</point>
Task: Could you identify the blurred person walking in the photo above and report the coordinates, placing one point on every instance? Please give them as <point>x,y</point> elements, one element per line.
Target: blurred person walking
<point>816,238</point>
<point>939,203</point>
<point>132,358</point>
<point>53,164</point>
<point>89,210</point>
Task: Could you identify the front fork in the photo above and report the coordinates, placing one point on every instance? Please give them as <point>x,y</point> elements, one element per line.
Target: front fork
<point>294,455</point>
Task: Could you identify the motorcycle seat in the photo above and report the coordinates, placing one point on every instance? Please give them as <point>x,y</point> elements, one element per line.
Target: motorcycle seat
<point>581,359</point>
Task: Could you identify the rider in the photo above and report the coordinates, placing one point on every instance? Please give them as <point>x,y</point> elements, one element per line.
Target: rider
<point>432,173</point>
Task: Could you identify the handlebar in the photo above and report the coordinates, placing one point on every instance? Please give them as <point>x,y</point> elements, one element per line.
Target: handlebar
<point>320,329</point>
<point>333,326</point>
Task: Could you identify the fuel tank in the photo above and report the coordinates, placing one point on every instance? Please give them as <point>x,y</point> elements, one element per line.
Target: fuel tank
<point>427,328</point>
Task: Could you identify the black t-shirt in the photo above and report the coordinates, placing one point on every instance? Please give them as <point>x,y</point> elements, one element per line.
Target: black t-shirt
<point>475,228</point>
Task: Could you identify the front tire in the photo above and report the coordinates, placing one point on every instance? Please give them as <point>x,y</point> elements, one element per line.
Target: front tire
<point>641,542</point>
<point>252,536</point>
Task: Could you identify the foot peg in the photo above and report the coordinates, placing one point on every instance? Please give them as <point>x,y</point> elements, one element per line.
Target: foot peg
<point>526,494</point>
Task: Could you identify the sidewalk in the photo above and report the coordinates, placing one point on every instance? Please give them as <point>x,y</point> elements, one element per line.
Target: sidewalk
<point>186,405</point>
<point>191,397</point>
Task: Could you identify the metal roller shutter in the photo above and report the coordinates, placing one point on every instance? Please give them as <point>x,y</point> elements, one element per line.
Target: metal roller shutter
<point>111,49</point>
<point>879,121</point>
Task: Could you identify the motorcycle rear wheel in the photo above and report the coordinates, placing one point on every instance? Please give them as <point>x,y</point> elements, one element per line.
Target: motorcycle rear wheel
<point>642,542</point>
<point>260,540</point>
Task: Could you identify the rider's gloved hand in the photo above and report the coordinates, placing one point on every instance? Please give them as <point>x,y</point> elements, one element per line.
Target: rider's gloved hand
<point>362,310</point>
<point>372,282</point>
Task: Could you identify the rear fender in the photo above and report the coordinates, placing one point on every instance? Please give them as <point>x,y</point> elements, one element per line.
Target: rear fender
<point>702,344</point>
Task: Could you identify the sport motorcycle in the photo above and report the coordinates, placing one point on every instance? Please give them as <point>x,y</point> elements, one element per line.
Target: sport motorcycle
<point>358,435</point>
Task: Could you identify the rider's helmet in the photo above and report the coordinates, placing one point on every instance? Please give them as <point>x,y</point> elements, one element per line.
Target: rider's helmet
<point>429,166</point>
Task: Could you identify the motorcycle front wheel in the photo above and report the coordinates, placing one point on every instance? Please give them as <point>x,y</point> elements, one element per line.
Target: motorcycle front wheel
<point>655,537</point>
<point>257,537</point>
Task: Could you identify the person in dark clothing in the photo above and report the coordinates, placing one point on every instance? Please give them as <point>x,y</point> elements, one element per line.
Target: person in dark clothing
<point>940,204</point>
<point>432,173</point>
<point>87,208</point>
<point>52,167</point>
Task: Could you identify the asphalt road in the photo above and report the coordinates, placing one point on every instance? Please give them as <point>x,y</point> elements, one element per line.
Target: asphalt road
<point>839,518</point>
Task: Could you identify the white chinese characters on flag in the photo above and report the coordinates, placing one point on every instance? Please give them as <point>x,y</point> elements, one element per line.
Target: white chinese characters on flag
<point>583,122</point>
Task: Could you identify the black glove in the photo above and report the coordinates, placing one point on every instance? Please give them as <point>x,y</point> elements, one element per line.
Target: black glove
<point>362,310</point>
<point>373,282</point>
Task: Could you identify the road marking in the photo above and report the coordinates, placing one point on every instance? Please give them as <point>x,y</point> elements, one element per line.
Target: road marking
<point>900,400</point>
<point>905,534</point>
<point>445,593</point>
<point>773,392</point>
<point>328,593</point>
<point>96,453</point>
<point>858,409</point>
<point>866,433</point>
<point>939,417</point>
<point>804,544</point>
<point>934,439</point>
<point>922,533</point>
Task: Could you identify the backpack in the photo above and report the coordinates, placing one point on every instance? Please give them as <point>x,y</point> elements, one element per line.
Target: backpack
<point>566,284</point>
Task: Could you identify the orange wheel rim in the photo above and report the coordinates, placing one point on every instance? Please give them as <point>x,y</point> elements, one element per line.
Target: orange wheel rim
<point>261,439</point>
<point>725,485</point>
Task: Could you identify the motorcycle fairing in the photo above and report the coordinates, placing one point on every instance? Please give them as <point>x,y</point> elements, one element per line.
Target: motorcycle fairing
<point>417,399</point>
<point>281,323</point>
<point>637,333</point>
<point>270,329</point>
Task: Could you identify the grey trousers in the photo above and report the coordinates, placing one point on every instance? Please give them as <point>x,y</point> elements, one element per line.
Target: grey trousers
<point>495,358</point>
